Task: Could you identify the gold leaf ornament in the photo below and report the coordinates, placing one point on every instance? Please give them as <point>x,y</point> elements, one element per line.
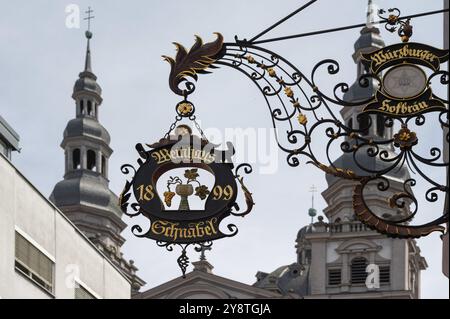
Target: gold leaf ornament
<point>191,174</point>
<point>195,61</point>
<point>288,91</point>
<point>302,119</point>
<point>202,191</point>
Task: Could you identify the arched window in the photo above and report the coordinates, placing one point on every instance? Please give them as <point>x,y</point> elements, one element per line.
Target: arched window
<point>358,270</point>
<point>380,125</point>
<point>103,166</point>
<point>91,160</point>
<point>81,107</point>
<point>364,123</point>
<point>76,159</point>
<point>89,108</point>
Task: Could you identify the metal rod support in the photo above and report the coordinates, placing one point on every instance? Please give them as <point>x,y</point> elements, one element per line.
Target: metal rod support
<point>301,35</point>
<point>282,20</point>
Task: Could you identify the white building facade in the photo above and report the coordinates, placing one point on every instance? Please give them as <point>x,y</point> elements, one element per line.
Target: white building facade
<point>42,254</point>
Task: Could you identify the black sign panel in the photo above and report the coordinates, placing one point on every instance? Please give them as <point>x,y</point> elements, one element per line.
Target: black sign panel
<point>404,89</point>
<point>404,108</point>
<point>194,158</point>
<point>414,53</point>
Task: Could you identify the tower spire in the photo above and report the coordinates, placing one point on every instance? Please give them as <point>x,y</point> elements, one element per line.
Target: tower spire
<point>84,195</point>
<point>88,33</point>
<point>87,62</point>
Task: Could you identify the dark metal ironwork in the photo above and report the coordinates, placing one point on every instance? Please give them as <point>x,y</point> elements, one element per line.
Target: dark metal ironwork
<point>393,22</point>
<point>349,27</point>
<point>297,103</point>
<point>184,226</point>
<point>273,26</point>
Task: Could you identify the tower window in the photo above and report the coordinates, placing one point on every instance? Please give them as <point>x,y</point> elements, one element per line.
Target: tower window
<point>364,123</point>
<point>380,125</point>
<point>103,166</point>
<point>91,160</point>
<point>358,270</point>
<point>334,277</point>
<point>81,107</point>
<point>89,108</point>
<point>76,159</point>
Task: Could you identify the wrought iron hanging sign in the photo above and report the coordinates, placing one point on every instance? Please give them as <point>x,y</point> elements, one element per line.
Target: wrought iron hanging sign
<point>172,175</point>
<point>376,163</point>
<point>405,89</point>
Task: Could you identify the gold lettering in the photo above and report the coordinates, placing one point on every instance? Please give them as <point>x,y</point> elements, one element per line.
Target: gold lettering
<point>158,227</point>
<point>199,229</point>
<point>404,108</point>
<point>423,105</point>
<point>211,224</point>
<point>183,154</point>
<point>222,193</point>
<point>210,158</point>
<point>378,58</point>
<point>386,106</point>
<point>173,231</point>
<point>385,56</point>
<point>392,108</point>
<point>161,156</point>
<point>146,192</point>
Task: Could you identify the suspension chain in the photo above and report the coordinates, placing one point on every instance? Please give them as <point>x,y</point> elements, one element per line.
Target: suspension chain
<point>192,118</point>
<point>197,126</point>
<point>173,126</point>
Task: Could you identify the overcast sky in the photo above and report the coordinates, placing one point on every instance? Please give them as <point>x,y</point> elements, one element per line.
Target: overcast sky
<point>41,58</point>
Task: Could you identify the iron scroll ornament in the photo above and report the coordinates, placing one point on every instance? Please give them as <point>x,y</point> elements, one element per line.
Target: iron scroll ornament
<point>184,226</point>
<point>293,99</point>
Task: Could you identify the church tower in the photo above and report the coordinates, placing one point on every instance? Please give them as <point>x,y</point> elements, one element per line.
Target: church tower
<point>344,247</point>
<point>333,255</point>
<point>84,195</point>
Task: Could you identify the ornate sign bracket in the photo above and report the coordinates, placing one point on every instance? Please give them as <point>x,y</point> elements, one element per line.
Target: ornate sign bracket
<point>404,98</point>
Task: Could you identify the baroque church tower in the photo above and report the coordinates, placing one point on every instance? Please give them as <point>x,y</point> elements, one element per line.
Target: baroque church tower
<point>333,255</point>
<point>84,195</point>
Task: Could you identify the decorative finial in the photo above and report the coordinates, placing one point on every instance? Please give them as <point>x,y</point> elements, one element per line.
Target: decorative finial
<point>89,18</point>
<point>203,249</point>
<point>371,14</point>
<point>312,212</point>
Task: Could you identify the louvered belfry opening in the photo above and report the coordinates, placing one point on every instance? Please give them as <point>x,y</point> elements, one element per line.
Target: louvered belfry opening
<point>358,269</point>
